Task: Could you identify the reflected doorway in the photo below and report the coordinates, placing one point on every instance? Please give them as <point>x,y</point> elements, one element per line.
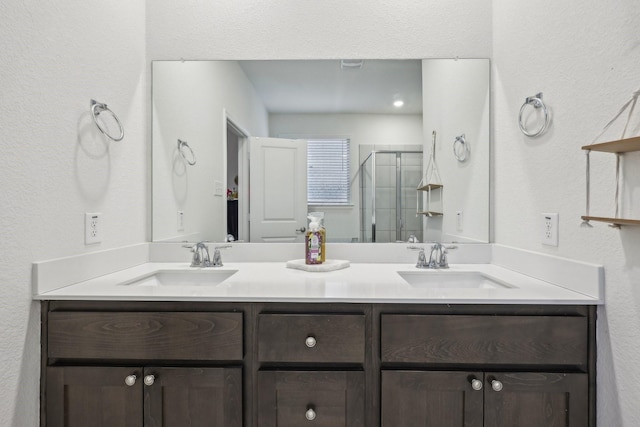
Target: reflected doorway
<point>237,181</point>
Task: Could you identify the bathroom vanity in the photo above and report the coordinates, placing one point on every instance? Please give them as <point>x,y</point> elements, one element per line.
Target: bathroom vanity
<point>145,363</point>
<point>376,344</point>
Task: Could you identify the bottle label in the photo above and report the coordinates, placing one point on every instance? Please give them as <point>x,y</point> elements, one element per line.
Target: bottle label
<point>314,248</point>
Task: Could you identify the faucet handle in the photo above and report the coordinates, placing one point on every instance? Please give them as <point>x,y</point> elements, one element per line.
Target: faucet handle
<point>444,262</point>
<point>217,258</point>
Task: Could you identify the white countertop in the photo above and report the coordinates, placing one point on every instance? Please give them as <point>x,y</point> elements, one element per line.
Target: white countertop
<point>359,283</point>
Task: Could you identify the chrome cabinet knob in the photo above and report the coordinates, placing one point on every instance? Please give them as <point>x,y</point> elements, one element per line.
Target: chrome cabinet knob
<point>310,342</point>
<point>149,379</point>
<point>476,384</point>
<point>310,414</point>
<point>496,385</point>
<point>301,229</point>
<point>130,380</point>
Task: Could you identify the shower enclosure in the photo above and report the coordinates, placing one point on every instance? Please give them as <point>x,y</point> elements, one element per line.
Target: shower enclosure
<point>388,197</point>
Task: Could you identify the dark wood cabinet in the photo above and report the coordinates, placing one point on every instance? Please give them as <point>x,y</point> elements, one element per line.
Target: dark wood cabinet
<point>231,364</point>
<point>435,398</point>
<point>325,398</point>
<point>536,399</point>
<point>476,399</point>
<point>81,396</point>
<point>179,397</point>
<point>93,396</point>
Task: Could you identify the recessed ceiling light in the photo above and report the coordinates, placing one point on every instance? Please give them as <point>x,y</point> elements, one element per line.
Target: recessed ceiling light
<point>398,103</point>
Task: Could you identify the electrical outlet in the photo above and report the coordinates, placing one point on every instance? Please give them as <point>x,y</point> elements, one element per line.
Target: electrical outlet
<point>180,220</point>
<point>92,228</point>
<point>550,229</point>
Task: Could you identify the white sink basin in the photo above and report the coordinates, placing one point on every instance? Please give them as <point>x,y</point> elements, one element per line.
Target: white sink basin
<point>445,279</point>
<point>204,277</point>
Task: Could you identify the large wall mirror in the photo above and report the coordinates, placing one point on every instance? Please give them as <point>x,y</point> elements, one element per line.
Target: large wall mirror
<point>388,150</point>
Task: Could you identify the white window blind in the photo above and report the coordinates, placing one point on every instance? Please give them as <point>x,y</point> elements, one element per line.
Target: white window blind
<point>328,172</point>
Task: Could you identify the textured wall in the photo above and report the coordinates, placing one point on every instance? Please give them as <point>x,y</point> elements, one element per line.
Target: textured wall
<point>584,56</point>
<point>55,165</point>
<point>292,29</point>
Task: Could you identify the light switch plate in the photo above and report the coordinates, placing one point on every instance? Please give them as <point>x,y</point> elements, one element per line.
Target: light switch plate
<point>218,189</point>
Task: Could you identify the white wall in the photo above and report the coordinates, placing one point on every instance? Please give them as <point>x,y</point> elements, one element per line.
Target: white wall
<point>584,57</point>
<point>343,223</point>
<point>55,165</point>
<point>189,99</point>
<point>456,102</point>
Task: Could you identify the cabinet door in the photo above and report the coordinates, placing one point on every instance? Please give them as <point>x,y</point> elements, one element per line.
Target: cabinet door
<point>93,396</point>
<point>314,398</point>
<point>177,397</point>
<point>425,398</point>
<point>536,400</point>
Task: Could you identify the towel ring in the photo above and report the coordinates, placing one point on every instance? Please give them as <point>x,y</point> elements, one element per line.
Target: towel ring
<point>96,109</point>
<point>536,102</point>
<point>181,145</point>
<point>460,148</point>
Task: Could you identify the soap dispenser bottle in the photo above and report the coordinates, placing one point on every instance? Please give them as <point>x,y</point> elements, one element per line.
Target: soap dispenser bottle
<point>314,241</point>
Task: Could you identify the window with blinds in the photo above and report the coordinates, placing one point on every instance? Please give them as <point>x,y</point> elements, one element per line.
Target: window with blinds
<point>328,172</point>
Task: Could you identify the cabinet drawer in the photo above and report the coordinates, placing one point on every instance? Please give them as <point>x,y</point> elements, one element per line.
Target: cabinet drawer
<point>488,340</point>
<point>311,338</point>
<point>145,335</point>
<point>323,399</point>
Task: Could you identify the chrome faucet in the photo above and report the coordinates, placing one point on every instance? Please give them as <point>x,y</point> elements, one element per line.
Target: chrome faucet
<point>200,256</point>
<point>437,256</point>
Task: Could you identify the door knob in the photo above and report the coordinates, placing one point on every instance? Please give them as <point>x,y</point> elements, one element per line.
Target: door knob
<point>149,380</point>
<point>301,229</point>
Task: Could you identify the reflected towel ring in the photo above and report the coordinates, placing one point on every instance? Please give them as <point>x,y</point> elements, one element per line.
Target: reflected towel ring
<point>96,109</point>
<point>181,145</point>
<point>536,102</point>
<point>461,148</point>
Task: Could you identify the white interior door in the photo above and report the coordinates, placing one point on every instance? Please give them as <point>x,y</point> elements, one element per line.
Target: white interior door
<point>278,189</point>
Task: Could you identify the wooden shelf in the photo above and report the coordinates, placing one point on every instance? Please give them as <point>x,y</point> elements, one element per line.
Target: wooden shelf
<point>615,221</point>
<point>429,187</point>
<point>430,213</point>
<point>620,146</point>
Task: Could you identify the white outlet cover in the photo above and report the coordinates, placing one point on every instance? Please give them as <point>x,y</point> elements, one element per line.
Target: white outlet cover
<point>92,228</point>
<point>549,229</point>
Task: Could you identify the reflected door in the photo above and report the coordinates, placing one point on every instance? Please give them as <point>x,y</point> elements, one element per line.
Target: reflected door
<point>278,190</point>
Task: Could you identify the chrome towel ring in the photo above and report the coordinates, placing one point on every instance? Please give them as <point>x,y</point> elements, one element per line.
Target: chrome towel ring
<point>461,148</point>
<point>536,102</point>
<point>96,109</point>
<point>181,148</point>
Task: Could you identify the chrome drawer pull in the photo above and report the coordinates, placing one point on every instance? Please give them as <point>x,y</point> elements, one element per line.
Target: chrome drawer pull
<point>496,385</point>
<point>310,342</point>
<point>476,384</point>
<point>310,414</point>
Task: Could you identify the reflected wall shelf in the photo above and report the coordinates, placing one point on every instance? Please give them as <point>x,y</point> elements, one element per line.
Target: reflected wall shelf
<point>429,187</point>
<point>619,146</point>
<point>430,213</point>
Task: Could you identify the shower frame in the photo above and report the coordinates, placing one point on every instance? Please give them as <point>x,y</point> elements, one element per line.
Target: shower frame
<point>372,155</point>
